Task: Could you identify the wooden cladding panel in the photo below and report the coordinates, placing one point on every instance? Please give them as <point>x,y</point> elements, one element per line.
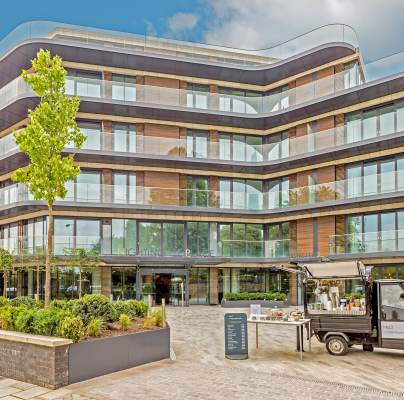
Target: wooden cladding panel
<point>161,188</point>
<point>152,143</point>
<point>325,228</point>
<point>293,237</point>
<point>305,238</point>
<point>162,91</point>
<point>162,82</point>
<point>325,134</point>
<point>325,174</point>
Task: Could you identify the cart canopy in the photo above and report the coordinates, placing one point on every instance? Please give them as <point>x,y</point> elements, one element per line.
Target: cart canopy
<point>335,270</point>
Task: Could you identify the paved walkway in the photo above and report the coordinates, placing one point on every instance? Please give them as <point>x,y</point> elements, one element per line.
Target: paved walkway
<point>274,371</point>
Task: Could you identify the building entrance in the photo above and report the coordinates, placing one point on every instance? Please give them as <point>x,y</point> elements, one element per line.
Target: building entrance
<point>171,285</point>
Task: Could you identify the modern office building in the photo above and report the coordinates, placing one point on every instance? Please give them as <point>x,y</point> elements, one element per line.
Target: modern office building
<point>206,168</point>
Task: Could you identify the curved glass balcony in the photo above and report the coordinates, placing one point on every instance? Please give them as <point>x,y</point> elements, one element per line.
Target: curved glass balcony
<point>250,199</point>
<point>369,242</point>
<point>332,33</point>
<point>132,93</point>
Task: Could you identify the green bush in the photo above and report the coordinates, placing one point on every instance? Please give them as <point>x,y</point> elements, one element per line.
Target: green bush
<point>64,305</point>
<point>71,328</point>
<point>4,301</point>
<point>23,301</point>
<point>6,318</point>
<point>95,326</point>
<point>156,319</point>
<point>132,308</point>
<point>124,322</point>
<point>355,295</point>
<point>23,320</point>
<point>92,306</point>
<point>272,296</point>
<point>46,321</point>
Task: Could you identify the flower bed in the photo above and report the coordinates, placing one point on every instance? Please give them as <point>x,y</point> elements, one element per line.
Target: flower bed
<point>89,317</point>
<point>77,339</point>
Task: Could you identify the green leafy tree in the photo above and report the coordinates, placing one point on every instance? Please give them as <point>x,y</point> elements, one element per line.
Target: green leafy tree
<point>6,265</point>
<point>51,128</point>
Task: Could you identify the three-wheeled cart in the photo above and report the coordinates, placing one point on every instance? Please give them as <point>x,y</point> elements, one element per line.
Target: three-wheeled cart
<point>347,308</point>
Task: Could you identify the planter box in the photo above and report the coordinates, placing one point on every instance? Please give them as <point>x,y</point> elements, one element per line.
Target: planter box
<point>247,303</point>
<point>54,362</point>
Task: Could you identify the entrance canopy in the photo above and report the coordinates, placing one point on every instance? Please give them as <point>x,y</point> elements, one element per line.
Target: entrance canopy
<point>335,270</point>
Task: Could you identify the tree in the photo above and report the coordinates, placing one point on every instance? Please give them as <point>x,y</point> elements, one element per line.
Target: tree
<point>51,128</point>
<point>84,259</point>
<point>6,265</point>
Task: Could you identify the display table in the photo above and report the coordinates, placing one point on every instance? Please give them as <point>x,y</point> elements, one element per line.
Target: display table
<point>298,324</point>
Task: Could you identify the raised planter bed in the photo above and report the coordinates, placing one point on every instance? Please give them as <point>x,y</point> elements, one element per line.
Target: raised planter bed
<point>54,362</point>
<point>247,303</point>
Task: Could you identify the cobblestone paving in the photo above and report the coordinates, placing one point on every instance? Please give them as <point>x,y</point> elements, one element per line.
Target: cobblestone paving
<point>274,371</point>
<point>200,371</point>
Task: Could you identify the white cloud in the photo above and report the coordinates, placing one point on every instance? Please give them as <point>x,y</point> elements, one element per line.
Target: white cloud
<point>255,24</point>
<point>180,22</point>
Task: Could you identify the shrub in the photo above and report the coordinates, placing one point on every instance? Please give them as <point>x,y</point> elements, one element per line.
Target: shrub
<point>71,328</point>
<point>156,319</point>
<point>23,301</point>
<point>95,326</point>
<point>46,321</point>
<point>23,320</point>
<point>4,301</point>
<point>124,322</point>
<point>6,318</point>
<point>65,305</point>
<point>132,308</point>
<point>94,305</point>
<point>256,296</point>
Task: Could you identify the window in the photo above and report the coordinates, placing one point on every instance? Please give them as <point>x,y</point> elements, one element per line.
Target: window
<point>173,239</point>
<point>198,286</point>
<point>277,146</point>
<point>241,240</point>
<point>197,191</point>
<point>197,96</point>
<point>239,101</point>
<point>277,99</point>
<point>149,238</point>
<point>124,138</point>
<point>123,283</point>
<point>123,237</point>
<point>123,87</point>
<point>86,188</point>
<point>278,193</point>
<point>392,302</point>
<point>198,238</point>
<point>240,194</point>
<point>278,240</point>
<point>83,83</point>
<point>240,148</point>
<point>124,188</point>
<point>92,131</point>
<point>197,144</point>
<point>63,235</point>
<point>351,75</point>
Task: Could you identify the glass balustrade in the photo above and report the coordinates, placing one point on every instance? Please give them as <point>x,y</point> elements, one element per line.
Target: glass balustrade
<point>75,34</point>
<point>358,187</point>
<point>369,242</point>
<point>34,247</point>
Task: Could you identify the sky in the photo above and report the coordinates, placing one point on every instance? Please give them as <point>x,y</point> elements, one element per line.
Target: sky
<point>247,24</point>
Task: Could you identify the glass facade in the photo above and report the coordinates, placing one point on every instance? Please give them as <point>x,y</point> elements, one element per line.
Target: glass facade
<point>198,286</point>
<point>123,283</point>
<point>197,191</point>
<point>278,240</point>
<point>92,131</point>
<point>123,87</point>
<point>236,280</point>
<point>197,96</point>
<point>197,144</point>
<point>240,147</point>
<point>124,138</point>
<point>240,194</point>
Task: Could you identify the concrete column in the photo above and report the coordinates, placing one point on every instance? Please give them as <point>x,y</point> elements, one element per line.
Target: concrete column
<point>213,283</point>
<point>106,281</point>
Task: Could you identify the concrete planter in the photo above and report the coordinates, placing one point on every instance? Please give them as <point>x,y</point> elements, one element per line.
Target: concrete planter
<point>54,362</point>
<point>247,303</point>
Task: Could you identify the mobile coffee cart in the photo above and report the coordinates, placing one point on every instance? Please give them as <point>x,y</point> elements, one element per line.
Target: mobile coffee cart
<point>371,315</point>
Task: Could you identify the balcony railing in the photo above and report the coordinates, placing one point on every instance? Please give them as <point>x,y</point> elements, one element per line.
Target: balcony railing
<point>251,199</point>
<point>133,93</point>
<point>369,242</point>
<point>33,248</point>
<point>332,33</point>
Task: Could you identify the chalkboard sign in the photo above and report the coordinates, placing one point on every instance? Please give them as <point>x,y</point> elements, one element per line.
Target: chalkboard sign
<point>236,339</point>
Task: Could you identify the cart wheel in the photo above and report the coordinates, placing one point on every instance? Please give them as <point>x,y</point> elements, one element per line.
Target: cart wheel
<point>336,345</point>
<point>367,347</point>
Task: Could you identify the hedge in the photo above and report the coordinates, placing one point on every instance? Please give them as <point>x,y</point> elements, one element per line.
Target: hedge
<point>272,296</point>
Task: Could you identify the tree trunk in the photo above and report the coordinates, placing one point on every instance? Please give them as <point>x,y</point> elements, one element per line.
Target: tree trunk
<point>48,262</point>
<point>5,281</point>
<point>38,282</point>
<point>80,286</point>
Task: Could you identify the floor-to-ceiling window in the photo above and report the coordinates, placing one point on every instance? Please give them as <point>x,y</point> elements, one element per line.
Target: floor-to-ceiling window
<point>124,138</point>
<point>92,132</point>
<point>240,194</point>
<point>278,243</point>
<point>123,237</point>
<point>198,238</point>
<point>197,96</point>
<point>123,87</point>
<point>278,193</point>
<point>198,286</point>
<point>197,144</point>
<point>124,188</point>
<point>197,191</point>
<point>240,147</point>
<point>123,285</point>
